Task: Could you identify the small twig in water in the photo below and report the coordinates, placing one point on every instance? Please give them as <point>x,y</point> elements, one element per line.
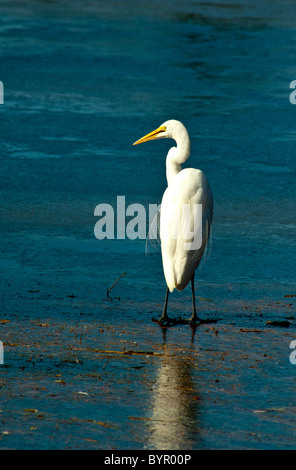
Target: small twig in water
<point>122,275</point>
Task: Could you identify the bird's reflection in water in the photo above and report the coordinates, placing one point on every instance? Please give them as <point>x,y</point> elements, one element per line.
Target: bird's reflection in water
<point>175,404</point>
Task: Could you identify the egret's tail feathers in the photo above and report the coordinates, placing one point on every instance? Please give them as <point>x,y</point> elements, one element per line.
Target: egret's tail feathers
<point>153,237</point>
<point>205,250</point>
<point>171,282</point>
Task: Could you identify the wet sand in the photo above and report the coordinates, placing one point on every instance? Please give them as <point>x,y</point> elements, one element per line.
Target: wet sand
<point>79,383</point>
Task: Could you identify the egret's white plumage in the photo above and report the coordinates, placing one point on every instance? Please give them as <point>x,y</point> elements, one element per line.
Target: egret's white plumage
<point>188,187</point>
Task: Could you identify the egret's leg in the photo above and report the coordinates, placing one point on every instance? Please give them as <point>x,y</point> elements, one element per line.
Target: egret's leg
<point>164,320</point>
<point>194,318</point>
<point>164,313</point>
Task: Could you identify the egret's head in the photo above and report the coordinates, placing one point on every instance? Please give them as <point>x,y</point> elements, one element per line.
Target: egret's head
<point>171,129</point>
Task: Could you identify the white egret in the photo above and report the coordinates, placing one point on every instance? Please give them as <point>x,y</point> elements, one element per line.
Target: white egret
<point>186,188</point>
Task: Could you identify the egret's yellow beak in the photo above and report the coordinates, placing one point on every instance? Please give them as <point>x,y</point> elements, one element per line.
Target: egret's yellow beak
<point>152,135</point>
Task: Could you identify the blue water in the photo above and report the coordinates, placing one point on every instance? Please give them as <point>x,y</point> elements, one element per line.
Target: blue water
<point>82,82</point>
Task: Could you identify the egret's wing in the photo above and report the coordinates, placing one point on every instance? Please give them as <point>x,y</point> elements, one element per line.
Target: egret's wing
<point>153,237</point>
<point>205,249</point>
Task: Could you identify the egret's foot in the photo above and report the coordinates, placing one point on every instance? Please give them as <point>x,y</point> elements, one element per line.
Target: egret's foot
<point>167,321</point>
<point>192,321</point>
<point>164,321</point>
<point>195,321</point>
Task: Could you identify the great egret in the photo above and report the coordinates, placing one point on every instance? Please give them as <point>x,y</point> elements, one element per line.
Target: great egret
<point>186,188</point>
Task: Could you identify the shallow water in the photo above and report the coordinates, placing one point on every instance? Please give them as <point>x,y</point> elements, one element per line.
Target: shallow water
<point>82,82</point>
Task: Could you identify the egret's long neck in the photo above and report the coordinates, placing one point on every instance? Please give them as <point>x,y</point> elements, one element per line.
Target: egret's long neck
<point>175,157</point>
